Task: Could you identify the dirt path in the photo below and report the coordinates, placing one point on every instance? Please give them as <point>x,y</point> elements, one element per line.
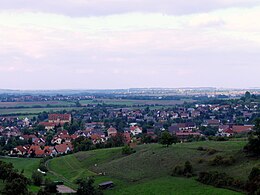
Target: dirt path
<point>65,189</point>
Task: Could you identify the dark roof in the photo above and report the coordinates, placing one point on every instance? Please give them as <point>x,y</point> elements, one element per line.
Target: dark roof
<point>106,183</point>
<point>173,128</point>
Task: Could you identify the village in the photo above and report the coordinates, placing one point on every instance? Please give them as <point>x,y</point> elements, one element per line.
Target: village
<point>54,134</point>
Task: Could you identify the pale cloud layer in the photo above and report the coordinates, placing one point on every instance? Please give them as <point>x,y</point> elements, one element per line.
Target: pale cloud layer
<point>119,44</point>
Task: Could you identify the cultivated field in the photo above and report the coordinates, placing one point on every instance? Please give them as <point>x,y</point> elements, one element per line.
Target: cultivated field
<point>124,102</point>
<point>30,111</point>
<point>35,104</point>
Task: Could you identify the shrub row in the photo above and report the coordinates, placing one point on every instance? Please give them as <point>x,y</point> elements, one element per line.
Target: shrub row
<point>219,179</point>
<point>185,170</point>
<point>220,160</point>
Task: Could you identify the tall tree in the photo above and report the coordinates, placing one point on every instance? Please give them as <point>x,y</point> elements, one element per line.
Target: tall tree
<point>253,145</point>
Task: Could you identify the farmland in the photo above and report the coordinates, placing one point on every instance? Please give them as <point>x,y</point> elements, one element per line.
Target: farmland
<point>30,111</point>
<point>128,102</point>
<point>35,104</point>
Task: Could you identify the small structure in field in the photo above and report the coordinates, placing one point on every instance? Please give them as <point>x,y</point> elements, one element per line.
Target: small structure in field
<point>106,185</point>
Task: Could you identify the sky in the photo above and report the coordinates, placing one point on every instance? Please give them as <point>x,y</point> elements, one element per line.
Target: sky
<point>112,44</point>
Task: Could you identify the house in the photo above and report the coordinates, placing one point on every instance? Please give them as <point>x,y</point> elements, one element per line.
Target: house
<point>182,127</point>
<point>20,150</point>
<point>229,130</point>
<point>39,141</point>
<point>27,137</point>
<point>135,130</point>
<point>111,131</point>
<point>48,125</point>
<point>212,122</point>
<point>97,138</point>
<point>242,128</point>
<point>39,151</point>
<point>63,148</point>
<point>106,185</point>
<point>63,136</point>
<point>59,118</point>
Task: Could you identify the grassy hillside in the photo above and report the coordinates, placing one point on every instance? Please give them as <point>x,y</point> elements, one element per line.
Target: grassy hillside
<point>171,185</point>
<point>24,164</point>
<point>152,165</point>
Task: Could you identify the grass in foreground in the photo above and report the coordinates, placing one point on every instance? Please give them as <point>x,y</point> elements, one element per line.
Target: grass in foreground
<point>150,163</point>
<point>171,185</point>
<point>147,171</point>
<point>28,165</point>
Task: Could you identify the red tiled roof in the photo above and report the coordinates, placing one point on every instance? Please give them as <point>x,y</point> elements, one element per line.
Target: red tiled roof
<point>112,130</point>
<point>38,151</point>
<point>59,117</point>
<point>62,148</point>
<point>22,149</point>
<point>230,131</point>
<point>95,137</point>
<point>47,124</point>
<point>242,129</point>
<point>186,133</point>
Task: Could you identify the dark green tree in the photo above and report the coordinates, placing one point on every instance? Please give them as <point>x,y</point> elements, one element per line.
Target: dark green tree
<point>16,186</point>
<point>86,186</point>
<point>167,139</point>
<point>253,145</point>
<point>37,178</point>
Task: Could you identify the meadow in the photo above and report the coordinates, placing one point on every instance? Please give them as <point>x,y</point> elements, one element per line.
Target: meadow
<point>152,164</point>
<point>128,102</point>
<point>148,170</point>
<point>35,104</point>
<point>33,111</point>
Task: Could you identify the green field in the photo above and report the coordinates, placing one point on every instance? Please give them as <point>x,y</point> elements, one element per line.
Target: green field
<point>148,170</point>
<point>33,104</point>
<point>171,185</point>
<point>152,164</point>
<point>125,102</point>
<point>25,111</point>
<point>28,165</point>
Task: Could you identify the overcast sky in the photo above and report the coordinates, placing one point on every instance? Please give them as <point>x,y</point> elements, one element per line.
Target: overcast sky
<point>83,44</point>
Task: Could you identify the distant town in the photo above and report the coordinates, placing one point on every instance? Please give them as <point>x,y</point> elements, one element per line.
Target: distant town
<point>106,120</point>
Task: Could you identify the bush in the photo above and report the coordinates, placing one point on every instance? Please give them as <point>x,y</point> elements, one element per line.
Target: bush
<point>253,183</point>
<point>126,150</point>
<point>188,168</point>
<point>43,168</point>
<point>216,179</point>
<point>201,160</point>
<point>37,178</point>
<point>211,151</point>
<point>200,148</point>
<point>220,160</point>
<point>185,170</point>
<point>178,170</point>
